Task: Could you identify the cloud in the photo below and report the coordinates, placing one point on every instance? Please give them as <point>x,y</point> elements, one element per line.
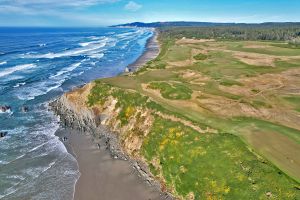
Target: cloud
<point>53,3</point>
<point>132,6</point>
<point>36,7</point>
<point>58,10</point>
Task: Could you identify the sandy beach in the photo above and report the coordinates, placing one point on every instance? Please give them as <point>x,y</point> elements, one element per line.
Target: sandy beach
<point>103,177</point>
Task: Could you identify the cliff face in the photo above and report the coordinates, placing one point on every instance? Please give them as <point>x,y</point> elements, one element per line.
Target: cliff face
<point>102,121</point>
<point>72,110</point>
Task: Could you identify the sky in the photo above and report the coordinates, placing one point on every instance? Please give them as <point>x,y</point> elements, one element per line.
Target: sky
<point>75,13</point>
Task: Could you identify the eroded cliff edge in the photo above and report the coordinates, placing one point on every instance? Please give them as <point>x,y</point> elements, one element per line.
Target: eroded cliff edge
<point>102,121</point>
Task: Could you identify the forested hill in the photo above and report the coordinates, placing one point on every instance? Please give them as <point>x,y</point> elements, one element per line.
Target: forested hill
<point>206,24</point>
<point>276,31</point>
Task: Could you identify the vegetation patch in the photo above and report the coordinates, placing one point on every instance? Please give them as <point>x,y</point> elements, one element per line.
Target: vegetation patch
<point>260,104</point>
<point>178,53</point>
<point>176,91</point>
<point>127,100</point>
<point>294,101</point>
<point>230,82</point>
<point>200,56</point>
<point>211,166</point>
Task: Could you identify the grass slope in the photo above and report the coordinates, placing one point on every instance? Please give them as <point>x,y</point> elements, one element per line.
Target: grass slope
<point>224,92</point>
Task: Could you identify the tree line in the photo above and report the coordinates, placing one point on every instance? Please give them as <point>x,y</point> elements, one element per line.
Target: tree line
<point>268,31</point>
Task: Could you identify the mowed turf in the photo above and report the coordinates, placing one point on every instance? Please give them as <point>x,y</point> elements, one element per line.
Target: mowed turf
<point>253,151</point>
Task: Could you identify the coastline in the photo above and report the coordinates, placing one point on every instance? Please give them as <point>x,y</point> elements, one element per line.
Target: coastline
<point>105,170</point>
<point>151,52</point>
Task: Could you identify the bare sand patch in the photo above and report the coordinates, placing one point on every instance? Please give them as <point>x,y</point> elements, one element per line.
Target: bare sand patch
<point>193,41</point>
<point>255,59</point>
<point>180,63</point>
<point>256,46</point>
<point>193,77</point>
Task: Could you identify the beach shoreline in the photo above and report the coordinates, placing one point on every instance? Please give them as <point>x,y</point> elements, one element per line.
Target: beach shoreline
<point>151,52</point>
<point>102,174</point>
<point>104,168</point>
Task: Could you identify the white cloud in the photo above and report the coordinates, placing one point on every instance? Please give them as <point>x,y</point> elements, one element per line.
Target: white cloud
<point>54,3</point>
<point>47,7</point>
<point>66,10</point>
<point>132,6</point>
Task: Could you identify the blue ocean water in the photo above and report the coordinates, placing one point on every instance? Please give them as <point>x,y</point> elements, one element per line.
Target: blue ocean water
<point>36,66</point>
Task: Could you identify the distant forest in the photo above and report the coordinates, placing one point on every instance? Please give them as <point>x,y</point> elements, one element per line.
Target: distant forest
<point>289,33</point>
<point>228,31</point>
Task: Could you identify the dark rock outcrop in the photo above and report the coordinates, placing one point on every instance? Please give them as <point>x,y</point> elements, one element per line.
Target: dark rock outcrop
<point>24,109</point>
<point>5,108</point>
<point>3,134</point>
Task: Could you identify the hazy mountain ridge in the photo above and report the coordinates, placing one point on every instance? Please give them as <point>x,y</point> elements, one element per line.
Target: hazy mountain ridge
<point>202,24</point>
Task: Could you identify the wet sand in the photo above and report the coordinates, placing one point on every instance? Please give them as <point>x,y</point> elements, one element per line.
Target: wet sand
<point>103,177</point>
<point>151,52</point>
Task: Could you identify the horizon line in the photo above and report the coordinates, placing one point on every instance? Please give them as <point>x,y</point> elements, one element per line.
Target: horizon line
<point>108,26</point>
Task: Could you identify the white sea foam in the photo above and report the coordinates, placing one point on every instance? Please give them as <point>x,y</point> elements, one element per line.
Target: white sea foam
<point>2,162</point>
<point>41,89</point>
<point>3,63</point>
<point>85,49</point>
<point>101,42</point>
<point>97,55</point>
<point>15,177</point>
<point>11,70</point>
<point>19,84</point>
<point>84,44</point>
<point>68,53</point>
<point>95,37</point>
<point>54,82</point>
<point>7,111</point>
<point>67,69</point>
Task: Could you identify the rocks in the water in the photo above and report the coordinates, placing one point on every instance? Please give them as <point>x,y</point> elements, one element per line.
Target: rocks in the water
<point>24,109</point>
<point>3,134</point>
<point>5,108</point>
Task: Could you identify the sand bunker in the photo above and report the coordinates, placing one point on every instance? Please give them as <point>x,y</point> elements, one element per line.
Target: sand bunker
<point>193,41</point>
<point>255,59</point>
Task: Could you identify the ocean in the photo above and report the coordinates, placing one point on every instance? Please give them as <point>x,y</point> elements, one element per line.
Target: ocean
<point>36,66</point>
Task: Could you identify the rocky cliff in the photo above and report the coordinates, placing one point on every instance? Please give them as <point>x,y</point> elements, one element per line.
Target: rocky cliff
<point>102,121</point>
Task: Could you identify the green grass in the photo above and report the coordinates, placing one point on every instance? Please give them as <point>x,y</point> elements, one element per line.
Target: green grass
<point>260,104</point>
<point>224,65</point>
<point>178,53</point>
<point>212,166</point>
<point>212,87</point>
<point>271,50</point>
<point>266,126</point>
<point>230,82</point>
<point>294,101</point>
<point>200,56</point>
<point>289,46</point>
<point>174,91</point>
